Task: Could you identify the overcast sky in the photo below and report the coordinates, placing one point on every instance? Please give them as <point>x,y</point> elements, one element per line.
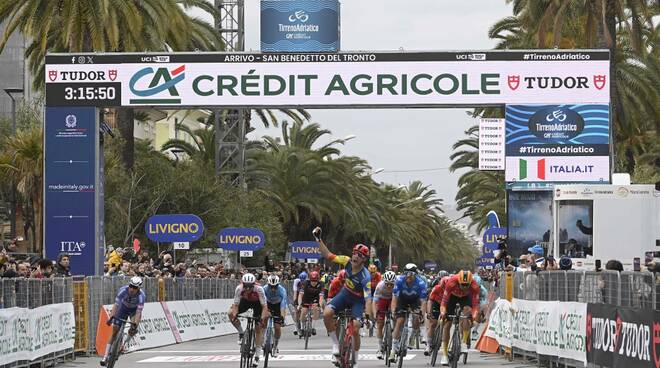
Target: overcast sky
<point>402,139</point>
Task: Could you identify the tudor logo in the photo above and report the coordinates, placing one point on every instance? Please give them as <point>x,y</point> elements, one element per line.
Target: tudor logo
<point>52,75</point>
<point>599,81</point>
<point>112,74</point>
<point>513,81</point>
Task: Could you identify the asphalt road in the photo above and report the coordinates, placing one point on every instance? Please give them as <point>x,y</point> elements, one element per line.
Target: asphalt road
<point>222,352</point>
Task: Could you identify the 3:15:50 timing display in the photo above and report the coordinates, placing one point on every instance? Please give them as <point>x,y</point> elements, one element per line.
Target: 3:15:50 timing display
<point>90,93</point>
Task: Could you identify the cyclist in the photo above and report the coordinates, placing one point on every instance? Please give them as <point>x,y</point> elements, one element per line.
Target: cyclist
<point>128,303</point>
<point>462,289</point>
<point>433,307</point>
<point>310,294</point>
<point>410,291</point>
<point>355,294</point>
<point>277,302</point>
<point>381,304</point>
<point>250,295</point>
<point>437,279</point>
<point>483,296</point>
<point>375,278</point>
<point>296,289</point>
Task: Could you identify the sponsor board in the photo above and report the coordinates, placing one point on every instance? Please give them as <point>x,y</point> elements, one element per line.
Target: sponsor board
<point>558,169</point>
<point>27,334</point>
<point>241,239</point>
<point>491,144</point>
<point>305,250</point>
<point>327,80</point>
<point>582,192</point>
<point>300,26</point>
<point>70,187</point>
<point>548,328</point>
<point>623,337</point>
<point>174,228</point>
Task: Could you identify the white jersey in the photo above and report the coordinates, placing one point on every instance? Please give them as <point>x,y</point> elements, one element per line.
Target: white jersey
<point>381,291</point>
<point>296,285</point>
<point>256,294</point>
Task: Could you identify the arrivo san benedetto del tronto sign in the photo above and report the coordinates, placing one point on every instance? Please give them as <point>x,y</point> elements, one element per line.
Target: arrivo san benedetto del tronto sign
<point>348,79</point>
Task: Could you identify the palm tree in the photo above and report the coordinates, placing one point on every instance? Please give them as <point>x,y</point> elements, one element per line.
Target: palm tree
<point>21,159</point>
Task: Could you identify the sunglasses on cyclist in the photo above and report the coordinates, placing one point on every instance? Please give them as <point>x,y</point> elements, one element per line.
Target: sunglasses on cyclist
<point>410,274</point>
<point>360,255</point>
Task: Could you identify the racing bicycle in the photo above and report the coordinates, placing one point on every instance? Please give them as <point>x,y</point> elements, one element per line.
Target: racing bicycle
<point>248,342</point>
<point>436,343</point>
<point>456,338</point>
<point>403,346</point>
<point>347,355</point>
<point>307,329</point>
<point>270,344</point>
<point>386,345</point>
<point>119,344</point>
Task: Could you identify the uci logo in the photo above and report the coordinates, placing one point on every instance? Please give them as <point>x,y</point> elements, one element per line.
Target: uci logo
<point>162,79</point>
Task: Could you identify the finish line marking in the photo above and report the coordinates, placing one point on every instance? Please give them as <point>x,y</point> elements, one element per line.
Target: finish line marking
<point>235,351</point>
<point>236,358</point>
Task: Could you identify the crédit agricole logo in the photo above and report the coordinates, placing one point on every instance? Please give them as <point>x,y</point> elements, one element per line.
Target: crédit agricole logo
<point>161,88</point>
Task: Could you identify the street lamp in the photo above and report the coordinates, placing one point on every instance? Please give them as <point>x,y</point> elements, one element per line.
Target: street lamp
<point>10,92</point>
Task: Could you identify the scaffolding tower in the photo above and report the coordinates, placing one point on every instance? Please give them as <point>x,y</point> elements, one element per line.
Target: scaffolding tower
<point>230,124</point>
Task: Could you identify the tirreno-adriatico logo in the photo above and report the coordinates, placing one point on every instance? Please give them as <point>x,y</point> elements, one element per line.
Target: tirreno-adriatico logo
<point>300,15</point>
<point>161,80</point>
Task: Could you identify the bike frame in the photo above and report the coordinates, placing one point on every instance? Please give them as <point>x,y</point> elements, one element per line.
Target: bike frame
<point>248,342</point>
<point>117,347</point>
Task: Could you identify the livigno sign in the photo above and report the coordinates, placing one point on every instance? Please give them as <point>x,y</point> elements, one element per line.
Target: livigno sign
<point>234,238</point>
<point>328,80</point>
<point>300,26</point>
<point>174,228</point>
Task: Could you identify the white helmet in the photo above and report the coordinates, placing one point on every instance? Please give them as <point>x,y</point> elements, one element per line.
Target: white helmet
<point>389,276</point>
<point>273,280</point>
<point>249,278</point>
<point>136,281</point>
<point>410,267</point>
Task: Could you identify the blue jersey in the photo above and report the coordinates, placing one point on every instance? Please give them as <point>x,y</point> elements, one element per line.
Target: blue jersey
<point>358,284</point>
<point>276,295</point>
<point>127,301</point>
<point>418,288</point>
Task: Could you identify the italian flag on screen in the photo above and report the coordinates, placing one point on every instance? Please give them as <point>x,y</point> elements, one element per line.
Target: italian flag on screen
<point>533,169</point>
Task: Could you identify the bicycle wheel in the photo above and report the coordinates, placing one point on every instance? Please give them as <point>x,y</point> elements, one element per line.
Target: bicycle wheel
<point>347,354</point>
<point>436,343</point>
<point>387,342</point>
<point>455,354</point>
<point>268,340</point>
<point>341,329</point>
<point>403,345</point>
<point>114,348</point>
<point>307,329</point>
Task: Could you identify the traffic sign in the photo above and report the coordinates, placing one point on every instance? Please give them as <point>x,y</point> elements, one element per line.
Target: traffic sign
<point>181,245</point>
<point>246,253</point>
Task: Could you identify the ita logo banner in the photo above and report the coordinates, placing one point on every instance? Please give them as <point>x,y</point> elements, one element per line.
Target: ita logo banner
<point>174,228</point>
<point>241,239</point>
<point>305,250</point>
<point>558,143</point>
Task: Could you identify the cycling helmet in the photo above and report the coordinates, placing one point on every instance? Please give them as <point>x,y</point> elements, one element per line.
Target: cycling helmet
<point>136,281</point>
<point>361,249</point>
<point>373,268</point>
<point>389,276</point>
<point>342,275</point>
<point>410,267</point>
<point>273,280</point>
<point>303,276</point>
<point>565,263</point>
<point>313,276</point>
<point>249,278</point>
<point>442,273</point>
<point>464,278</point>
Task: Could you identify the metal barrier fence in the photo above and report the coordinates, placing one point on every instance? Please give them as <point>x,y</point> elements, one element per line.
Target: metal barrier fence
<point>640,290</point>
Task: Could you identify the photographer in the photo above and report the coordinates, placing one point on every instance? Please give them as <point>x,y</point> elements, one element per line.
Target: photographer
<point>502,257</point>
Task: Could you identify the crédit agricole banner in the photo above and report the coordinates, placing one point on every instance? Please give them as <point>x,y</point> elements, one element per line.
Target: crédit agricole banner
<point>344,79</point>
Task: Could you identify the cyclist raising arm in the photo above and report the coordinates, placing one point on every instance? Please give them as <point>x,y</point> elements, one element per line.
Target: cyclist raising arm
<point>128,303</point>
<point>355,294</point>
<point>462,289</point>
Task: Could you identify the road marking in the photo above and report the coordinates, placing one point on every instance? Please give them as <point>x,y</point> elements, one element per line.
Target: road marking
<point>236,358</point>
<point>235,351</point>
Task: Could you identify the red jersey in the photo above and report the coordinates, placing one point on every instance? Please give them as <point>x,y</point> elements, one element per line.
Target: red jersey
<point>452,288</point>
<point>439,290</point>
<point>335,286</point>
<point>375,279</point>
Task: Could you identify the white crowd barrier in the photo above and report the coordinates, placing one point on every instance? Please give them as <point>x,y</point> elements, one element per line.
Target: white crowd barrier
<point>28,334</point>
<point>167,323</point>
<point>547,328</point>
